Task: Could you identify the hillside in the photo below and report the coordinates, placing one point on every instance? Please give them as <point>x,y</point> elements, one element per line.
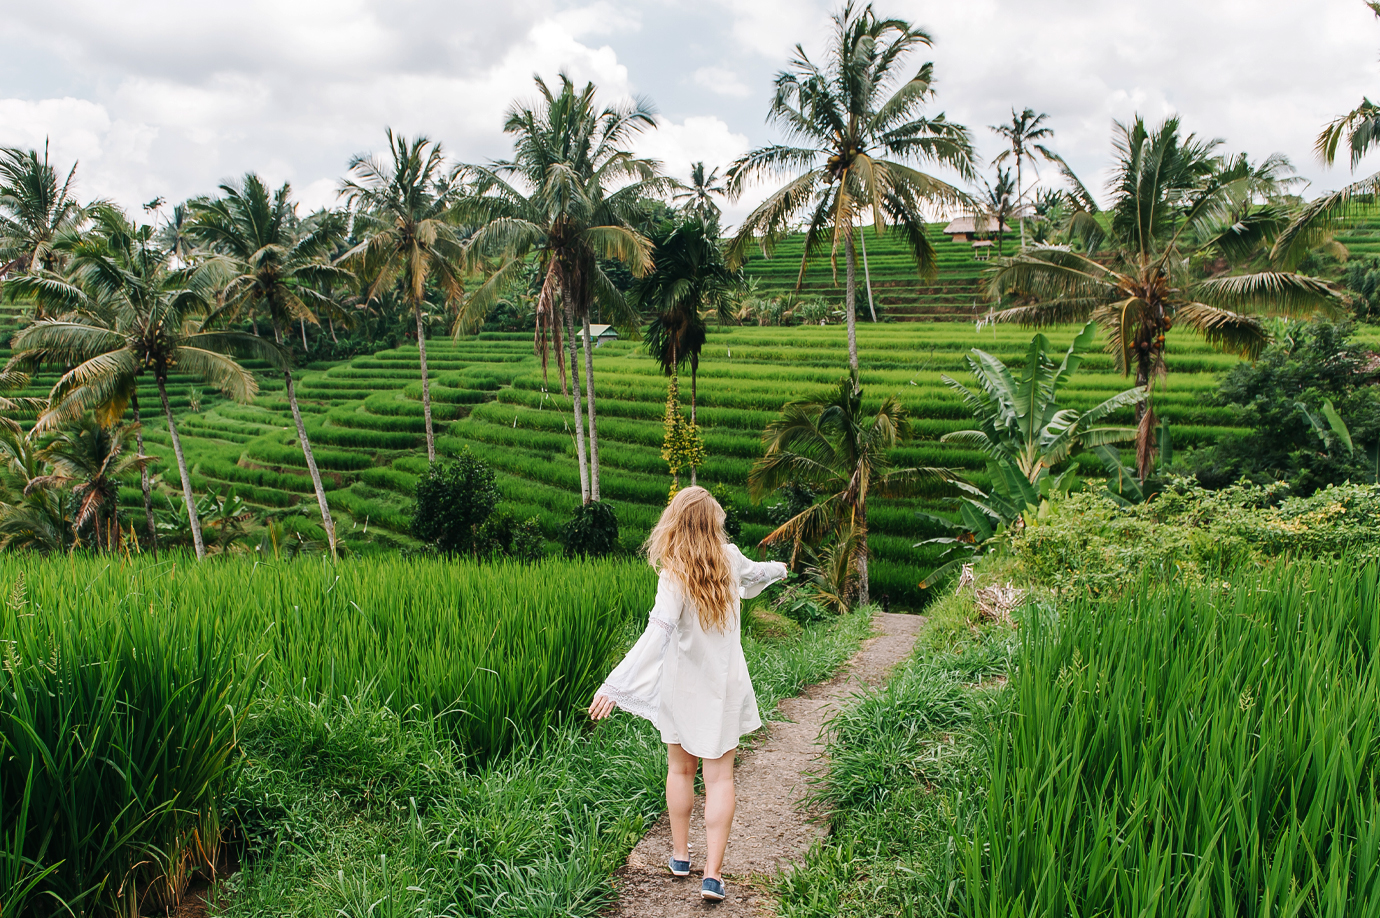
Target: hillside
<point>897,289</point>
<point>365,421</point>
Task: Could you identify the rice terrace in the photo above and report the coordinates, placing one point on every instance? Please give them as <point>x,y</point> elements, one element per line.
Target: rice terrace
<point>327,498</point>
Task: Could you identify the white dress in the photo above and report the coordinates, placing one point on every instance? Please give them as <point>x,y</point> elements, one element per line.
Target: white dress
<point>693,684</point>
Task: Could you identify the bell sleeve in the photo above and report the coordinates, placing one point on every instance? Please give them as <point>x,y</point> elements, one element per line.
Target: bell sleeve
<point>635,684</point>
<point>756,576</point>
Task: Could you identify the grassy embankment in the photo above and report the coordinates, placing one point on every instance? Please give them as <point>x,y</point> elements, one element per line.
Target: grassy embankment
<point>1175,750</point>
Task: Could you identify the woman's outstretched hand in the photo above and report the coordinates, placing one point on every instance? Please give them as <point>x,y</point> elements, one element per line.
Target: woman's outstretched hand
<point>600,707</point>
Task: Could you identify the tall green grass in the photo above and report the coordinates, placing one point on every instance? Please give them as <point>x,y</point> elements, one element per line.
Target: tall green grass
<point>123,685</point>
<point>1191,752</point>
<point>117,722</point>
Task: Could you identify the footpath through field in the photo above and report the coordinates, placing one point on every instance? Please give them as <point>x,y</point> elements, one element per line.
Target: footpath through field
<point>771,828</point>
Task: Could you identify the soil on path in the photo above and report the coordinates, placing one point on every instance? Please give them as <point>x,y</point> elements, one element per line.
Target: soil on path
<point>771,828</point>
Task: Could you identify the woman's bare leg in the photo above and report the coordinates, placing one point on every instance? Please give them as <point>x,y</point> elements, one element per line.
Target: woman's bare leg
<point>680,797</point>
<point>718,810</point>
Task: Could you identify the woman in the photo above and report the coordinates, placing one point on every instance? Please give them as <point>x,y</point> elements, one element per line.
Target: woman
<point>687,674</point>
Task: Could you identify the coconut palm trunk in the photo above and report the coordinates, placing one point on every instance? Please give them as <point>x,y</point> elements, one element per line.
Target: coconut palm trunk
<point>575,405</point>
<point>850,299</point>
<point>694,380</point>
<point>864,594</point>
<point>326,520</point>
<point>593,424</point>
<point>192,520</point>
<point>144,474</point>
<point>426,386</point>
<point>1020,214</point>
<point>867,273</point>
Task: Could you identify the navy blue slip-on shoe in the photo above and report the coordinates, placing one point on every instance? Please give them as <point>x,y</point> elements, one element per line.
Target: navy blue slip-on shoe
<point>679,868</point>
<point>713,890</point>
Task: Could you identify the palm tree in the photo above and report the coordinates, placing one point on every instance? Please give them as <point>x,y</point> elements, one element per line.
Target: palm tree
<point>36,207</point>
<point>569,197</point>
<point>134,315</point>
<point>1168,197</point>
<point>276,269</point>
<point>400,208</point>
<point>689,279</point>
<point>91,458</point>
<point>33,518</point>
<point>837,450</point>
<point>697,197</point>
<point>852,130</point>
<point>1022,136</point>
<point>1315,222</point>
<point>1000,206</point>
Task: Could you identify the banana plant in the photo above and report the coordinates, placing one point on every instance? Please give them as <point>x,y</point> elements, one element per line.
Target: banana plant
<point>1021,422</point>
<point>1029,438</point>
<point>1333,431</point>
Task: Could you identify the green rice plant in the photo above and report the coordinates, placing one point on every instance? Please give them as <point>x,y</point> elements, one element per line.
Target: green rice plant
<point>363,420</point>
<point>393,404</point>
<point>390,479</point>
<point>358,438</point>
<point>371,512</point>
<point>270,451</point>
<point>448,395</point>
<point>119,726</point>
<point>1190,752</point>
<point>247,475</point>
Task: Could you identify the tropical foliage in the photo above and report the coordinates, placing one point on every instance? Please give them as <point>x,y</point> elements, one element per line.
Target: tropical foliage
<point>279,271</point>
<point>133,314</point>
<point>854,132</point>
<point>837,450</point>
<point>568,197</point>
<point>401,209</point>
<point>1023,134</point>
<point>1172,198</point>
<point>37,207</point>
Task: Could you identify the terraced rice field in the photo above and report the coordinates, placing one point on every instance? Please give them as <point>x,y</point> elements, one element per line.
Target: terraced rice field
<point>897,289</point>
<point>365,416</point>
<point>365,420</point>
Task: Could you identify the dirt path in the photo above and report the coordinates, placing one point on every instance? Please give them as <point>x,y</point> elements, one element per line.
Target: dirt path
<point>770,830</point>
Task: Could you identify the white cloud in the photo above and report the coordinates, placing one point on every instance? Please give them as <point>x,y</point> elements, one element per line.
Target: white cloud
<point>77,126</point>
<point>168,97</point>
<point>721,80</point>
<point>696,139</point>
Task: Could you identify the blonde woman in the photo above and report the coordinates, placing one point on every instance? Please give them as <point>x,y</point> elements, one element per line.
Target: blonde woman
<point>687,674</point>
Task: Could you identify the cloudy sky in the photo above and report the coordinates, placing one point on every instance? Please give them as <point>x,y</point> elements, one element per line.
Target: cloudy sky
<point>169,97</point>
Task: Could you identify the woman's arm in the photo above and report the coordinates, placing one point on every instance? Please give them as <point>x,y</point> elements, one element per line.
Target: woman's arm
<point>635,683</point>
<point>755,576</point>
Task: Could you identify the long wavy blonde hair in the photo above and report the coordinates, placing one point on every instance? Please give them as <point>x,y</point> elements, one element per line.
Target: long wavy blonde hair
<point>689,542</point>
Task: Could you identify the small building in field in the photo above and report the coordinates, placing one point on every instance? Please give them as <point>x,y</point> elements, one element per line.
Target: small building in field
<point>967,228</point>
<point>598,334</point>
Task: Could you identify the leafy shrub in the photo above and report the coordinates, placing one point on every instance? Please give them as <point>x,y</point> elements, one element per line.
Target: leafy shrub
<point>1362,278</point>
<point>454,500</point>
<point>504,534</point>
<point>1308,364</point>
<point>1088,543</point>
<point>592,532</point>
<point>800,606</point>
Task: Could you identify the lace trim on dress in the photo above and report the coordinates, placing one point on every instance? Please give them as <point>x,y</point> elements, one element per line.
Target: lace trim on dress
<point>633,704</point>
<point>642,705</point>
